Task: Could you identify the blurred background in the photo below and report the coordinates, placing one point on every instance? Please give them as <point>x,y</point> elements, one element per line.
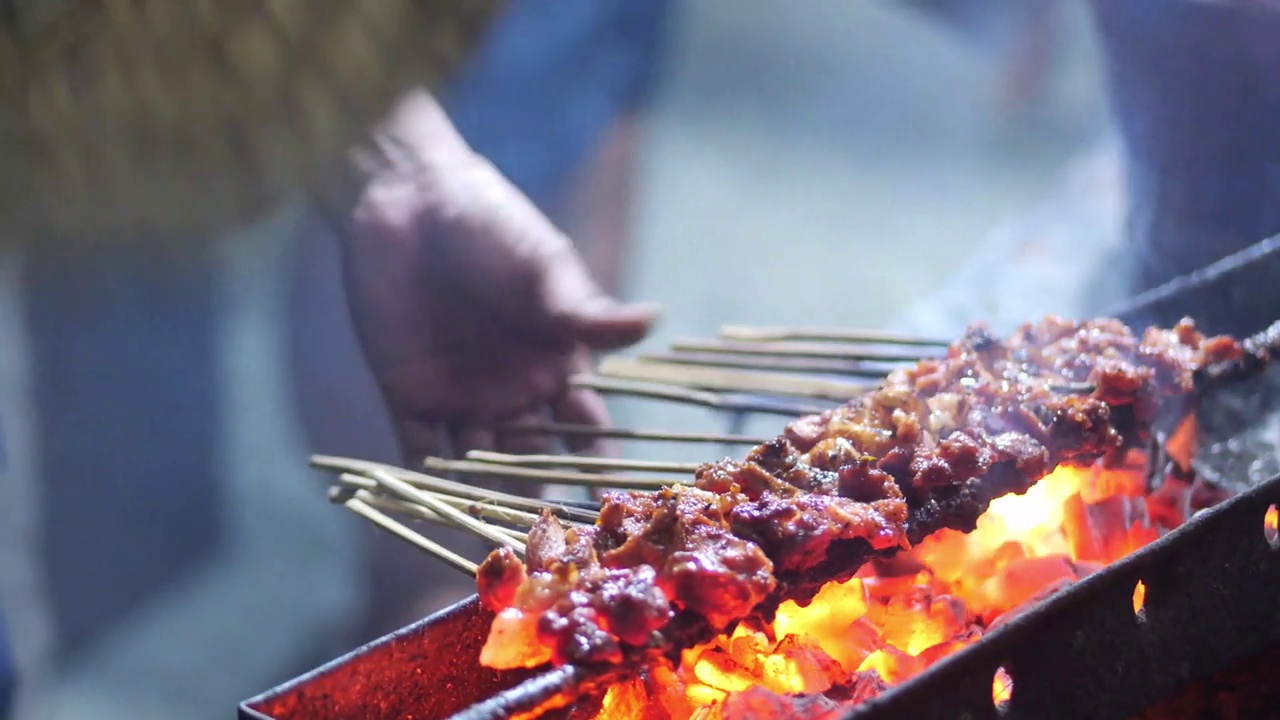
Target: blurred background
<point>167,553</point>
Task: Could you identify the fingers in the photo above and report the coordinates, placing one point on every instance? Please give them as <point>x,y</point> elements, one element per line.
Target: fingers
<point>607,325</point>
<point>578,309</point>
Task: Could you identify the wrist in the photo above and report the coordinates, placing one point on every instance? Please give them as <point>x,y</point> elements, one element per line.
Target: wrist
<point>416,145</point>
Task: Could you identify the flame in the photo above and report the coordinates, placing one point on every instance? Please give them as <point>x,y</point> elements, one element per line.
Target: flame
<point>881,629</point>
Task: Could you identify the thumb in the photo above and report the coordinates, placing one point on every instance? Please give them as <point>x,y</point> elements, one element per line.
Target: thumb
<point>580,310</point>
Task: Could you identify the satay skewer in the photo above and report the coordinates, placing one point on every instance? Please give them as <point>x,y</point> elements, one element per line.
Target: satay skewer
<point>704,378</point>
<point>555,477</point>
<point>565,511</point>
<point>829,351</point>
<point>818,366</point>
<point>581,462</point>
<point>588,431</point>
<point>367,489</point>
<point>402,531</point>
<point>680,394</point>
<point>843,335</point>
<point>405,491</point>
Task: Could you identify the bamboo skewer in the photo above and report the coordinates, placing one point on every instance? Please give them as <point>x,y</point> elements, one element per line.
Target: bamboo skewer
<point>421,512</point>
<point>408,492</point>
<point>556,477</point>
<point>770,383</point>
<point>492,511</point>
<point>366,490</point>
<point>576,461</point>
<point>820,366</point>
<point>649,390</point>
<point>403,532</point>
<point>691,397</point>
<point>731,380</point>
<point>868,337</point>
<point>456,489</point>
<point>798,349</point>
<point>571,430</point>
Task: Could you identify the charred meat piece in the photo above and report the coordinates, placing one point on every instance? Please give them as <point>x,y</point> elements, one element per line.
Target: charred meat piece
<point>928,449</point>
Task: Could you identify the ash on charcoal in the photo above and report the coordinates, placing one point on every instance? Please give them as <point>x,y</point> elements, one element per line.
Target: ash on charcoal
<point>1239,428</point>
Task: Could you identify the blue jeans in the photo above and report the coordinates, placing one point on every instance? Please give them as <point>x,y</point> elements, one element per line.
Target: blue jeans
<point>550,79</point>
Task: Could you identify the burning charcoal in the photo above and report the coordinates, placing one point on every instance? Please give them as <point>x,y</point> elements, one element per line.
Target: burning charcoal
<point>1141,533</point>
<point>1008,553</point>
<point>942,650</point>
<point>1111,519</point>
<point>850,645</point>
<point>761,704</point>
<point>836,605</point>
<point>800,666</point>
<point>629,700</point>
<point>747,647</point>
<point>716,669</point>
<point>1054,587</point>
<point>917,620</point>
<point>669,692</point>
<point>860,687</point>
<point>1205,495</point>
<point>1167,506</point>
<point>1106,482</point>
<point>1019,582</point>
<point>1085,541</point>
<point>900,565</point>
<point>883,589</point>
<point>703,696</point>
<point>513,641</point>
<point>893,665</point>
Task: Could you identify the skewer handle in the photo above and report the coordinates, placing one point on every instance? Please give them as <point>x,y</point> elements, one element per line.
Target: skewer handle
<point>364,510</point>
<point>705,378</point>
<point>866,337</point>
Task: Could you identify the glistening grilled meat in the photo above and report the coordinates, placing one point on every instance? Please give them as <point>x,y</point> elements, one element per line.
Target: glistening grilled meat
<point>929,449</point>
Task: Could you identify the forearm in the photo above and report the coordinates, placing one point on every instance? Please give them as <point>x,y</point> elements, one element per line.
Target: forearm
<point>416,143</point>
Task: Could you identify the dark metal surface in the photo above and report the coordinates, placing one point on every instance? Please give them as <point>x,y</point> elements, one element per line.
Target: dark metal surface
<point>1222,297</point>
<point>1210,285</point>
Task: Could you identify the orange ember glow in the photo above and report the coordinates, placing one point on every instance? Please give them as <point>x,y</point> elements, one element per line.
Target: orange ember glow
<point>897,618</point>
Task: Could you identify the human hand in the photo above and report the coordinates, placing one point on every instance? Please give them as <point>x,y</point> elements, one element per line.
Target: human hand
<point>473,309</point>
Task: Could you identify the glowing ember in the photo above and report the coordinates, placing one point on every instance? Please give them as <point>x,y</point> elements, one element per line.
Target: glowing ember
<point>887,625</point>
